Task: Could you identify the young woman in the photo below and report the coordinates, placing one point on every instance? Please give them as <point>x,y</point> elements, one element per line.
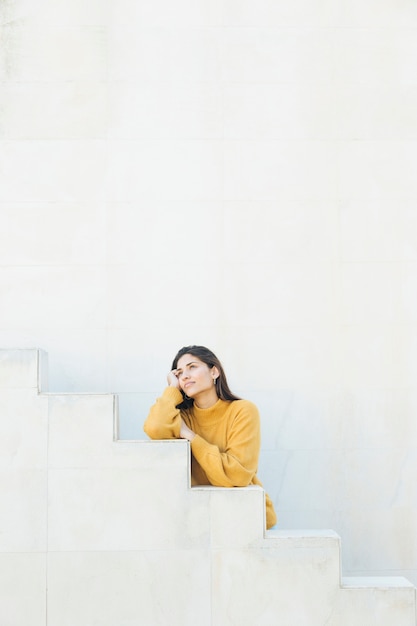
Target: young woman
<point>223,430</point>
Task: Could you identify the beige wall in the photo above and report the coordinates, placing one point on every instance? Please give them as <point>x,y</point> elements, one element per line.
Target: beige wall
<point>237,174</point>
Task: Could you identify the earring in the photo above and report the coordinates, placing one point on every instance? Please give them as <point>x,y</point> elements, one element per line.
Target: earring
<point>214,381</point>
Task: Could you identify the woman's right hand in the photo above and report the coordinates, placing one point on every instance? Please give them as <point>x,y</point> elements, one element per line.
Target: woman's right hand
<point>172,379</point>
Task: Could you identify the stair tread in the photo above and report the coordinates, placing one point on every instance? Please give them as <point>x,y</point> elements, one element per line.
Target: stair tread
<point>386,582</point>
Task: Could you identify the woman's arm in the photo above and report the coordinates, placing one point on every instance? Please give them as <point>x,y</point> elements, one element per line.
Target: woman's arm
<point>164,419</point>
<point>236,465</point>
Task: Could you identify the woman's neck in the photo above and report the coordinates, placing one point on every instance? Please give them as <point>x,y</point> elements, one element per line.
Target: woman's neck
<point>206,400</point>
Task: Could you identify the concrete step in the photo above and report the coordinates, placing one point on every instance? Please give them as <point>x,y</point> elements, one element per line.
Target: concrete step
<point>23,369</point>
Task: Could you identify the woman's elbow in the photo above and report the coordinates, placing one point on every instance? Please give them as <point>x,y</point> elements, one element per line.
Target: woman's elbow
<point>242,483</point>
<point>153,430</point>
<point>241,479</point>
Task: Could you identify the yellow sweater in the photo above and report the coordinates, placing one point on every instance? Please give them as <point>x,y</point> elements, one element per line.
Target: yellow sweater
<point>226,447</point>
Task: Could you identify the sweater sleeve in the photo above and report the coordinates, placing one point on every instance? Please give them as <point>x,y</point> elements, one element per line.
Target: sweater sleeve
<point>237,464</point>
<point>164,419</point>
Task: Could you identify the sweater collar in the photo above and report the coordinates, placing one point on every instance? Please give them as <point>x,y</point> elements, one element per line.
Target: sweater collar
<point>212,413</point>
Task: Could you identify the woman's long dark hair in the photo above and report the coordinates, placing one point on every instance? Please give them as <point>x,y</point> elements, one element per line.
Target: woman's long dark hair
<point>211,360</point>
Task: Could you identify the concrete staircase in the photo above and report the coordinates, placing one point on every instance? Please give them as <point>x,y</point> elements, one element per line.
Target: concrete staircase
<point>95,531</point>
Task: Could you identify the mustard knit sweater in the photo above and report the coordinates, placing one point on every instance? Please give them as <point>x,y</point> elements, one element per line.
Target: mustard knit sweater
<point>226,447</point>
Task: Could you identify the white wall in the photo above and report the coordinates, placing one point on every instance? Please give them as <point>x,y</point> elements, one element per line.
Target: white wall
<point>241,175</point>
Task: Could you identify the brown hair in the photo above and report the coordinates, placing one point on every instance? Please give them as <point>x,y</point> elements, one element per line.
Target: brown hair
<point>211,360</point>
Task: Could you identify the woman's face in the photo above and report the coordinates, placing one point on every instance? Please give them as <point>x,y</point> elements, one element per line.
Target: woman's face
<point>194,376</point>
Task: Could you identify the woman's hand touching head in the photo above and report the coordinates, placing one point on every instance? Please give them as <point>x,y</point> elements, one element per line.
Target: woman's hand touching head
<point>172,379</point>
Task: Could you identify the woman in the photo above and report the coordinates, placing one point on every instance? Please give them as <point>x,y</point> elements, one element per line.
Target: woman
<point>223,430</point>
